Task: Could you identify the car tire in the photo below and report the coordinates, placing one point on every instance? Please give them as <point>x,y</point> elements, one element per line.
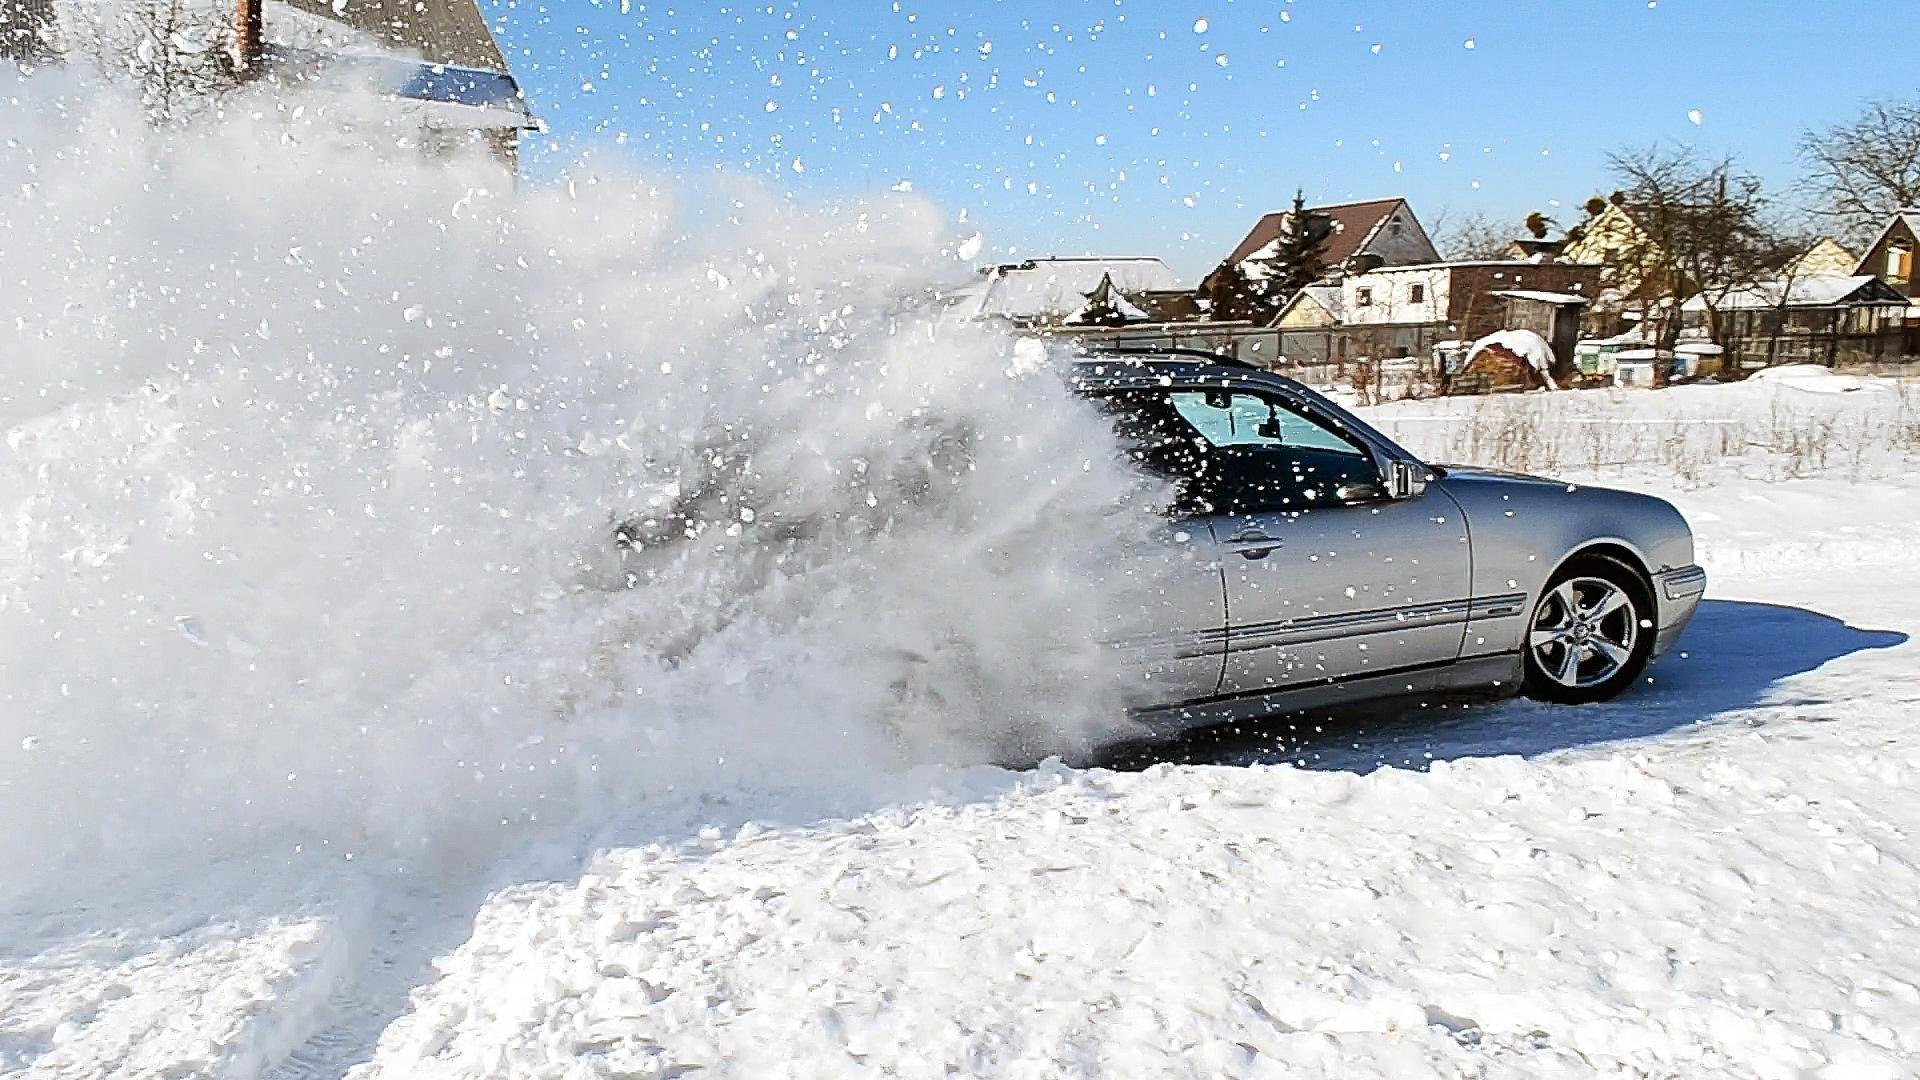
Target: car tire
<point>1590,634</point>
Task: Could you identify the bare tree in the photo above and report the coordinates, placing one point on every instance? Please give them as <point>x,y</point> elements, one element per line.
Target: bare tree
<point>178,55</point>
<point>1861,171</point>
<point>1700,230</point>
<point>1472,238</point>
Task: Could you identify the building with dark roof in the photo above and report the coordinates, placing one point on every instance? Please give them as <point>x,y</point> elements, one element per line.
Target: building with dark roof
<point>1375,233</point>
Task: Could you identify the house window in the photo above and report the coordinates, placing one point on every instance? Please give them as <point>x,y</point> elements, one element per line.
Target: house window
<point>1416,294</point>
<point>1363,297</point>
<point>1899,265</point>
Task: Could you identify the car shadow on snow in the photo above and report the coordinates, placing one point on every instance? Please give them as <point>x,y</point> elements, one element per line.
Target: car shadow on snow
<point>1736,656</point>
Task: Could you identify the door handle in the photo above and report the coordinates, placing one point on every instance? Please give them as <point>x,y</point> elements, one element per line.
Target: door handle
<point>1253,544</point>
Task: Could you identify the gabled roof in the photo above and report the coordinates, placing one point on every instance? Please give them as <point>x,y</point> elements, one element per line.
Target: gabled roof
<point>1170,305</point>
<point>450,32</point>
<point>1909,216</point>
<point>1354,224</point>
<point>1332,299</point>
<point>1824,256</point>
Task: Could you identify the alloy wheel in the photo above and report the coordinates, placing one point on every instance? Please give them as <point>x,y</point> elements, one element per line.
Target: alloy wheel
<point>1584,632</point>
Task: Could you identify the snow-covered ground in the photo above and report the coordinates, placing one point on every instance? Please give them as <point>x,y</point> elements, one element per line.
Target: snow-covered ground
<point>1718,875</point>
<point>340,740</point>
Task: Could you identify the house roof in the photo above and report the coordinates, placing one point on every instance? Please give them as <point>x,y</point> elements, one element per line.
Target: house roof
<point>439,61</point>
<point>1170,305</point>
<point>1517,264</point>
<point>442,33</point>
<point>1823,291</point>
<point>1054,288</point>
<point>1909,216</point>
<point>1824,252</point>
<point>1543,297</point>
<point>1353,225</point>
<point>1331,299</point>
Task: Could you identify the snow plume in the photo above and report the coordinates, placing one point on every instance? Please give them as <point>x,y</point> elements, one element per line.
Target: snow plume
<point>349,498</point>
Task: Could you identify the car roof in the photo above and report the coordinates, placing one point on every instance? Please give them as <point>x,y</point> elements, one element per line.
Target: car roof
<point>1122,368</point>
<point>1142,369</point>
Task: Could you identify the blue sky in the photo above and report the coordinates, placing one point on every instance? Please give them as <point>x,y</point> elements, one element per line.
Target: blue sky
<point>1134,127</point>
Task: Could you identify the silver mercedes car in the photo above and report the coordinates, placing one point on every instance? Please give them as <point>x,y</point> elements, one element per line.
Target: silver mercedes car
<point>1321,564</point>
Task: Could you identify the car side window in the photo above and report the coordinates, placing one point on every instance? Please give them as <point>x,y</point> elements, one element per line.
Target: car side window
<point>1240,418</point>
<point>1161,441</point>
<point>1242,452</point>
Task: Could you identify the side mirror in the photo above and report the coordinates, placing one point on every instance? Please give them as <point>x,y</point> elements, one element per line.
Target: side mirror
<point>1405,479</point>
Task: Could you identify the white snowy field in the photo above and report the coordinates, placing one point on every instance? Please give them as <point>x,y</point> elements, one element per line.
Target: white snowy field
<point>1716,875</point>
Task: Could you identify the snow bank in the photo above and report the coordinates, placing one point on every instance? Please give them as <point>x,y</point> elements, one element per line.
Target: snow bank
<point>1815,379</point>
<point>317,456</point>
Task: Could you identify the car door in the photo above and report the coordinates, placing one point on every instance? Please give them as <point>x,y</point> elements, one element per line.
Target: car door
<point>1175,629</point>
<point>1327,578</point>
<point>1172,622</point>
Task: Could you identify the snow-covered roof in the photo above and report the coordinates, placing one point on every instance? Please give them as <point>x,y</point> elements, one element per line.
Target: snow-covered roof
<point>1056,288</point>
<point>1543,296</point>
<point>1820,291</point>
<point>439,60</point>
<point>1331,298</point>
<point>1518,264</point>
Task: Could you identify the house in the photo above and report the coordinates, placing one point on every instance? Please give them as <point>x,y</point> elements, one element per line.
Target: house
<point>1830,319</point>
<point>1316,307</point>
<point>1362,235</point>
<point>1890,257</point>
<point>1402,311</point>
<point>1826,258</point>
<point>1535,248</point>
<point>435,62</point>
<point>1633,260</point>
<point>1051,291</point>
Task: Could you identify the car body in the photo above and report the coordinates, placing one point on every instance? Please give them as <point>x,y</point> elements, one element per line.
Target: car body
<point>1317,563</point>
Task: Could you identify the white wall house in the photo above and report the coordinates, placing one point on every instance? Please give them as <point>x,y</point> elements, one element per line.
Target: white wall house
<point>1397,296</point>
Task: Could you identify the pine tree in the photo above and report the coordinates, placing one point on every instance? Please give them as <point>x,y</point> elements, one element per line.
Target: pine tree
<point>1106,306</point>
<point>1299,252</point>
<point>1233,295</point>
